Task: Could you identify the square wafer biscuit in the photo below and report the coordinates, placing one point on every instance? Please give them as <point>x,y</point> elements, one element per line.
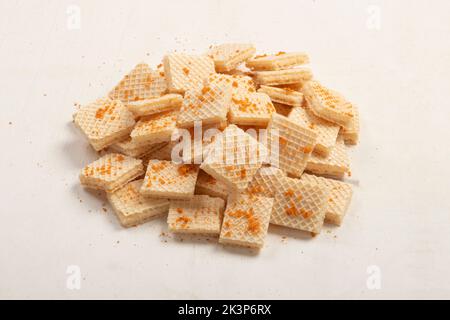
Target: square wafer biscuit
<point>351,132</point>
<point>210,186</point>
<point>265,181</point>
<point>240,84</point>
<point>279,61</point>
<point>140,84</point>
<point>293,86</point>
<point>285,96</point>
<point>154,129</point>
<point>165,179</point>
<point>148,107</point>
<point>208,103</point>
<point>228,56</point>
<point>132,208</point>
<point>281,77</point>
<point>246,221</point>
<point>111,172</point>
<point>234,158</point>
<point>104,122</point>
<point>198,151</point>
<point>295,144</point>
<point>130,148</point>
<point>336,165</point>
<point>185,72</point>
<point>251,109</point>
<point>327,104</point>
<point>327,132</point>
<point>299,205</point>
<point>201,215</point>
<point>338,200</point>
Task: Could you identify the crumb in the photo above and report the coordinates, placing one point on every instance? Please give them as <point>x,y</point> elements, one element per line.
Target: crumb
<point>104,209</point>
<point>117,241</point>
<point>10,123</point>
<point>81,201</point>
<point>45,94</point>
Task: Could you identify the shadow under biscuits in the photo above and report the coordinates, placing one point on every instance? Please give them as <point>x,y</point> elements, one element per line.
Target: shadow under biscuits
<point>98,203</point>
<point>90,196</point>
<point>77,150</point>
<point>235,249</point>
<point>290,233</point>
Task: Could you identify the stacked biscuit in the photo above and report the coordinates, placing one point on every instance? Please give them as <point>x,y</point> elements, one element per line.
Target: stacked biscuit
<point>218,186</point>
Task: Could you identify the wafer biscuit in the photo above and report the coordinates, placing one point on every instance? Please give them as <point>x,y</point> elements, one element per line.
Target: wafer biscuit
<point>210,186</point>
<point>335,165</point>
<point>265,181</point>
<point>140,84</point>
<point>246,221</point>
<point>208,103</point>
<point>132,149</point>
<point>199,150</point>
<point>154,129</point>
<point>351,132</point>
<point>279,61</point>
<point>295,144</point>
<point>104,122</point>
<point>111,172</point>
<point>251,109</point>
<point>282,77</point>
<point>327,104</point>
<point>327,132</point>
<point>235,158</point>
<point>293,86</point>
<point>184,72</point>
<point>299,205</point>
<point>132,208</point>
<point>338,200</point>
<point>285,96</point>
<point>165,179</point>
<point>148,107</point>
<point>228,56</point>
<point>240,84</point>
<point>201,215</point>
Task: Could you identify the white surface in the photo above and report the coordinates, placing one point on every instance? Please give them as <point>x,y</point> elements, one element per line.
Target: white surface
<point>400,216</point>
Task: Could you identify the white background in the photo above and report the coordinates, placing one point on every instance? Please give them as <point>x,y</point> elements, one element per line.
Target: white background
<point>400,215</point>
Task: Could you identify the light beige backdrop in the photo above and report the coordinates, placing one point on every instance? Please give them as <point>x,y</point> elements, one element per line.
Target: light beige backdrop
<point>389,57</point>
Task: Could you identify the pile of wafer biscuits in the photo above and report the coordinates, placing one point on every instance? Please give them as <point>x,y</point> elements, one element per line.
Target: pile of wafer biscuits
<point>278,154</point>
